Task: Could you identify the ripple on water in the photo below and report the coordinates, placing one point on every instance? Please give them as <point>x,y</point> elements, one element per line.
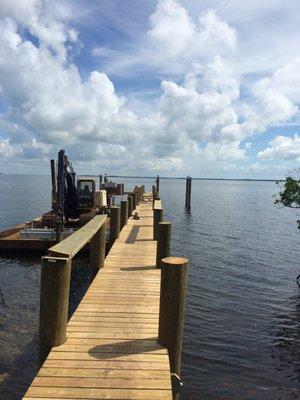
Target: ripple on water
<point>242,329</point>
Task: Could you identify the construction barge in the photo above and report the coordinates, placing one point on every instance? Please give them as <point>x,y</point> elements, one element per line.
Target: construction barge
<point>75,201</point>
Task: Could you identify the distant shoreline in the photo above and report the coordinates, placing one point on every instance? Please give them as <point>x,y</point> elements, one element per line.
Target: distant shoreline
<point>197,179</point>
<point>164,177</point>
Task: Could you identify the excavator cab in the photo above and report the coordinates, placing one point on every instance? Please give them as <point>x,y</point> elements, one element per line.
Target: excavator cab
<point>86,193</point>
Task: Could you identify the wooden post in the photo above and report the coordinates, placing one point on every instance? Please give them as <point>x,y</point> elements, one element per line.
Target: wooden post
<point>53,181</point>
<point>136,194</point>
<point>124,213</point>
<point>157,217</point>
<point>190,195</point>
<point>97,252</point>
<point>188,192</point>
<point>54,303</point>
<point>171,309</point>
<point>114,224</point>
<point>134,200</point>
<point>163,241</point>
<point>157,183</point>
<point>130,205</point>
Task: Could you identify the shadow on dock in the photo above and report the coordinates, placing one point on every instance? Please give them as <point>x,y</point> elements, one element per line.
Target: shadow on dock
<point>119,349</point>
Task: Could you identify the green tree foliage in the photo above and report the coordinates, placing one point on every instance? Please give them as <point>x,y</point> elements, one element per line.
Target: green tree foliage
<point>289,195</point>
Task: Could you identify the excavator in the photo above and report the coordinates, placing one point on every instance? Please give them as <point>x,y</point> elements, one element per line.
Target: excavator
<point>74,201</point>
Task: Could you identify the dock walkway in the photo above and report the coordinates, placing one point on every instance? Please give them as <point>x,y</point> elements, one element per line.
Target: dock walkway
<point>111,350</point>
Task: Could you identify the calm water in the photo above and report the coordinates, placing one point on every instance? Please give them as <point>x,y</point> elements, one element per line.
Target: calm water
<point>242,330</point>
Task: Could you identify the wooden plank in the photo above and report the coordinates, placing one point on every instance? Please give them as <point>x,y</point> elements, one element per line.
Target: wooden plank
<point>108,364</point>
<point>104,373</point>
<point>75,355</point>
<point>70,246</point>
<point>105,383</point>
<point>89,393</point>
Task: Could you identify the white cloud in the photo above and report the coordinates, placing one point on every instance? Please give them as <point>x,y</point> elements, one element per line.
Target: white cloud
<point>202,105</point>
<point>6,150</point>
<point>224,151</point>
<point>167,164</point>
<point>201,111</point>
<point>282,148</point>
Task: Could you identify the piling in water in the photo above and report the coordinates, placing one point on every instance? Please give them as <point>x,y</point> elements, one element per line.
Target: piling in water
<point>130,205</point>
<point>97,252</point>
<point>188,193</point>
<point>171,309</point>
<point>157,183</point>
<point>54,303</point>
<point>115,219</point>
<point>163,241</point>
<point>124,213</point>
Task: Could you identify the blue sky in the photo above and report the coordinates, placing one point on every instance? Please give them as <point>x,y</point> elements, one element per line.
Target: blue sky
<point>176,87</point>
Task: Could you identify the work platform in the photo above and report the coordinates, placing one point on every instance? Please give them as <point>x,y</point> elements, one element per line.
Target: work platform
<point>111,350</point>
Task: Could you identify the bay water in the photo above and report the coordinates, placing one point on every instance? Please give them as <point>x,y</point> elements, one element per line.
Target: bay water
<point>242,325</point>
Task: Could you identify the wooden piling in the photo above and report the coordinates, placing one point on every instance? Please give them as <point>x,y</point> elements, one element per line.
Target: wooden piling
<point>157,183</point>
<point>114,224</point>
<point>132,194</point>
<point>53,181</point>
<point>124,213</point>
<point>136,200</point>
<point>97,252</point>
<point>136,194</point>
<point>157,217</point>
<point>54,303</point>
<point>163,241</point>
<point>188,193</point>
<point>171,310</point>
<point>130,205</point>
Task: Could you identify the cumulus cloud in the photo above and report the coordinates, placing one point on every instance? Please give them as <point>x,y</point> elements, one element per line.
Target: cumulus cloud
<point>48,96</point>
<point>282,148</point>
<point>178,42</point>
<point>173,31</point>
<point>199,114</point>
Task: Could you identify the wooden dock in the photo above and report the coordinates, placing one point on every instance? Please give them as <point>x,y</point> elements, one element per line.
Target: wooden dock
<point>111,350</point>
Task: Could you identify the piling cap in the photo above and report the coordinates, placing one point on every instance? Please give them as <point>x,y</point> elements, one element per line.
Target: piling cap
<point>175,260</point>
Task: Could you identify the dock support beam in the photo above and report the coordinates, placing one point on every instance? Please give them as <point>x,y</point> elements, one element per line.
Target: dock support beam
<point>124,213</point>
<point>171,309</point>
<point>163,241</point>
<point>130,205</point>
<point>188,193</point>
<point>54,303</point>
<point>157,218</point>
<point>114,224</point>
<point>97,252</point>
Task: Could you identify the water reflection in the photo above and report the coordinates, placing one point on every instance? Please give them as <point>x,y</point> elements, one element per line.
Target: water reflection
<point>286,350</point>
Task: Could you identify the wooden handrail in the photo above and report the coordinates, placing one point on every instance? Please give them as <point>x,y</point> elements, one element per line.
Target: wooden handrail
<point>70,246</point>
